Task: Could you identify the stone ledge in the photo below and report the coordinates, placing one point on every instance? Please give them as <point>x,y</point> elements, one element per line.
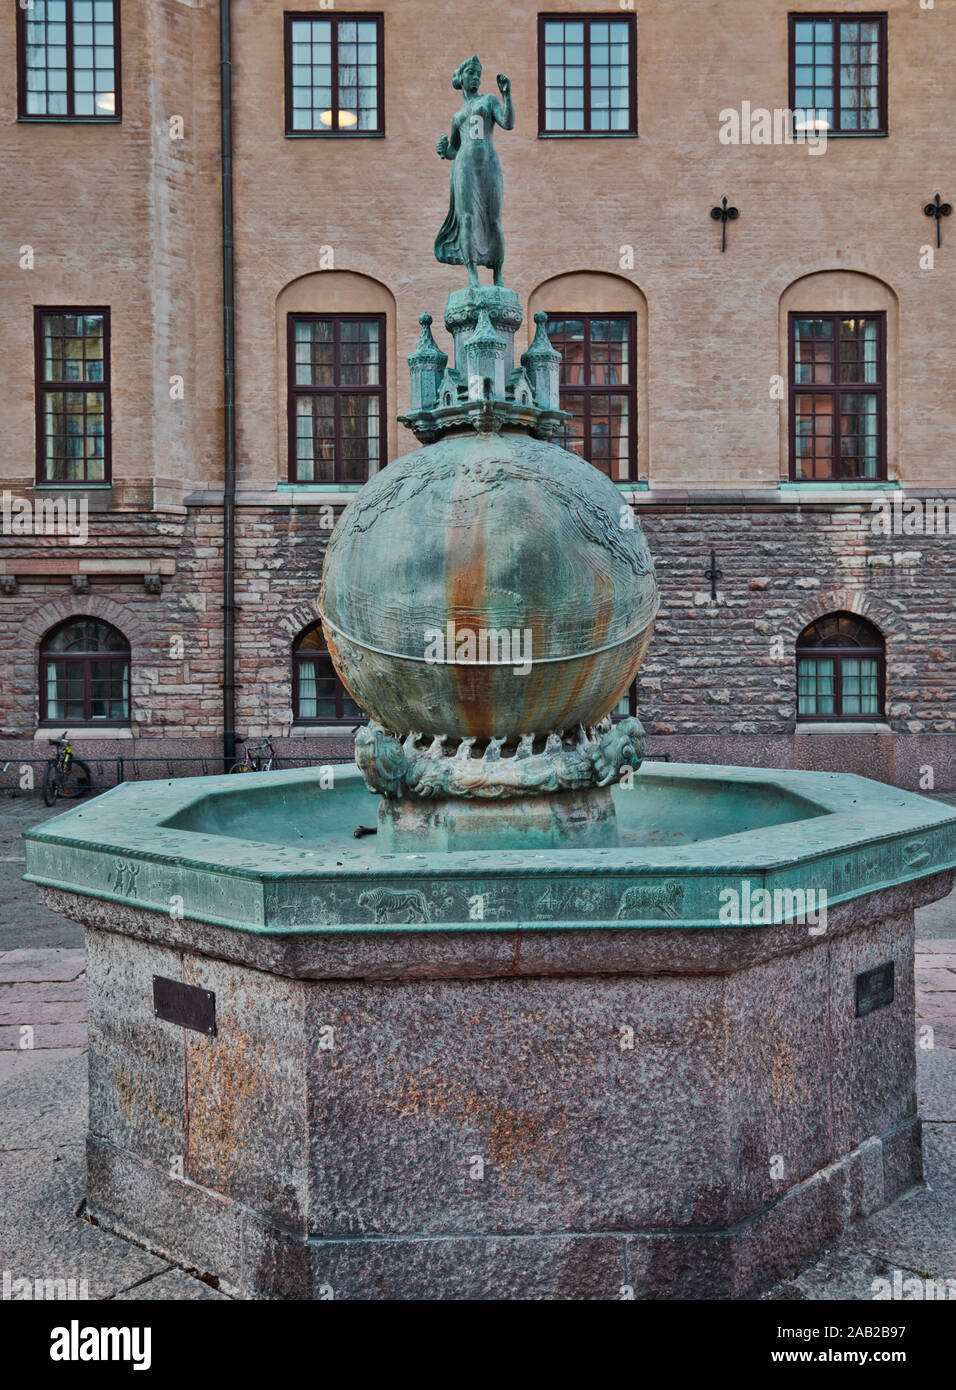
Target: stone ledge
<point>256,1258</point>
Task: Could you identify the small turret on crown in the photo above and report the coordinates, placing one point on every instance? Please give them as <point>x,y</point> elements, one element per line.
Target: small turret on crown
<point>484,388</point>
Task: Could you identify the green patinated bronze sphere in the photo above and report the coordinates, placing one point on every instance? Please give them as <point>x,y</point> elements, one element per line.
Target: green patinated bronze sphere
<point>488,586</point>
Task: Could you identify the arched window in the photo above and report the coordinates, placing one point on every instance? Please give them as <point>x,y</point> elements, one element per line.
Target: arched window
<point>318,696</point>
<point>840,669</point>
<point>598,323</point>
<point>84,674</point>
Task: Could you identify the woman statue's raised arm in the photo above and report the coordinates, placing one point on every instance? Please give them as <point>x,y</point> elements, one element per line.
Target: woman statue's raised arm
<point>504,110</point>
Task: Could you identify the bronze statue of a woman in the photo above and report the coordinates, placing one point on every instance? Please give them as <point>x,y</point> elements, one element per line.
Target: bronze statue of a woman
<point>471,234</point>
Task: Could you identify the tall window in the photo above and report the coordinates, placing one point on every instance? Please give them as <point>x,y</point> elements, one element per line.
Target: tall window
<point>318,696</point>
<point>837,397</point>
<point>336,397</point>
<point>587,75</point>
<point>84,674</point>
<point>73,395</point>
<point>334,74</point>
<point>838,68</point>
<point>68,60</point>
<point>840,669</point>
<point>599,388</point>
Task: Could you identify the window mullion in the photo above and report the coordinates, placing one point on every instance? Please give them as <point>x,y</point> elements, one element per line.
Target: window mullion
<point>335,74</point>
<point>70,80</point>
<point>337,399</point>
<point>587,76</point>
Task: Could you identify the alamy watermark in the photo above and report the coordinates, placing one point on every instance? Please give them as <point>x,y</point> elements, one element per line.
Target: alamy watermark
<point>483,646</point>
<point>27,1288</point>
<point>45,516</point>
<point>912,1288</point>
<point>759,125</point>
<point>751,905</point>
<point>911,516</point>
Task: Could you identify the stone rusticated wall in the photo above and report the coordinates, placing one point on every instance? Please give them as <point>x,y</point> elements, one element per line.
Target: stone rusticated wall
<point>718,684</point>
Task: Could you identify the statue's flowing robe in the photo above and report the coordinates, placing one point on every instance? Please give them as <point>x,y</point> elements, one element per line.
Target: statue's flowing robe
<point>476,187</point>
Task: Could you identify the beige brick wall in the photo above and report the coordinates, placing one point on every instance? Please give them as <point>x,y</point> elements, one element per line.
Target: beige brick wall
<point>124,216</point>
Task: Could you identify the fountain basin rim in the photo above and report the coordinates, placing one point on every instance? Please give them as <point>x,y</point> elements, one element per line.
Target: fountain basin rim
<point>119,848</point>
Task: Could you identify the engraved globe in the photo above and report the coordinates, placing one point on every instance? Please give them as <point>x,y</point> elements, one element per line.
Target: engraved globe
<point>488,586</point>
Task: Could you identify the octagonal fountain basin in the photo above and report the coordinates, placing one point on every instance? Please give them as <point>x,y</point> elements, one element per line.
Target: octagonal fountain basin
<point>276,852</point>
<point>300,1044</point>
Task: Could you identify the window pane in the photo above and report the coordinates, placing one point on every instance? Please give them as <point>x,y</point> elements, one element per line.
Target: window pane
<point>815,687</point>
<point>586,70</point>
<point>51,30</point>
<point>337,429</point>
<point>354,104</point>
<point>597,354</point>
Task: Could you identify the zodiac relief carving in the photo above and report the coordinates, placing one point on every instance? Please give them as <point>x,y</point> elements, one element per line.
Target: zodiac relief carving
<point>123,878</point>
<point>651,900</point>
<point>391,904</point>
<point>595,758</point>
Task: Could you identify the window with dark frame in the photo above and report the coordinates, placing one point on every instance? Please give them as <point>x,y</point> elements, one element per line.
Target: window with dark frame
<point>837,397</point>
<point>626,707</point>
<point>68,60</point>
<point>73,395</point>
<point>838,70</point>
<point>841,669</point>
<point>599,388</point>
<point>587,74</point>
<point>336,397</point>
<point>334,74</point>
<point>84,674</point>
<point>318,696</point>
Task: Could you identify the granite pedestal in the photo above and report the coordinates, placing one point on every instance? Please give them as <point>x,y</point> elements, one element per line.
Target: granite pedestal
<point>608,1094</point>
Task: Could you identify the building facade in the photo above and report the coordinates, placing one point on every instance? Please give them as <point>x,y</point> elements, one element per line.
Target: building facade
<point>773,392</point>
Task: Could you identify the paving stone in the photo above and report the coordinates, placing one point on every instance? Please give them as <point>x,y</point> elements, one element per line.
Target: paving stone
<point>41,1236</point>
<point>936,978</point>
<point>28,1011</point>
<point>44,991</point>
<point>936,1084</point>
<point>175,1285</point>
<point>41,964</point>
<point>44,1035</point>
<point>15,1063</point>
<point>929,946</point>
<point>919,1232</point>
<point>45,1105</point>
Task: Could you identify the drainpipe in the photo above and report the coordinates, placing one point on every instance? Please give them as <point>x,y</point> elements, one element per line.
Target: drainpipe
<point>229,396</point>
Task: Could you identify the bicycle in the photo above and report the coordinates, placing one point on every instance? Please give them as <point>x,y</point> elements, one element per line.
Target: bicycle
<point>65,775</point>
<point>252,762</point>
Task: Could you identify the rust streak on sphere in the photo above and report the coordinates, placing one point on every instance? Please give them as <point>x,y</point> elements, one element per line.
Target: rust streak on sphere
<point>501,533</point>
<point>466,579</point>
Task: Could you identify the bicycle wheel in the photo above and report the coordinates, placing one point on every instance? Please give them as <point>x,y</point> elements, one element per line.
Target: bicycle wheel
<point>51,783</point>
<point>238,767</point>
<point>273,765</point>
<point>75,780</point>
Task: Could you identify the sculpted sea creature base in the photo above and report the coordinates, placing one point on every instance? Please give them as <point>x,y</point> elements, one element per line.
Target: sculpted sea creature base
<point>559,796</point>
<point>595,759</point>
